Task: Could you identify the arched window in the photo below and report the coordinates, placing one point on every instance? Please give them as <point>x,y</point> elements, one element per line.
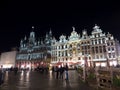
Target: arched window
<point>88,42</point>
<point>70,46</point>
<point>78,45</point>
<point>103,40</point>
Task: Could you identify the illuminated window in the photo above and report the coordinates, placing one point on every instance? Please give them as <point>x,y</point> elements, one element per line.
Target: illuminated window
<point>88,42</point>
<point>98,35</point>
<point>88,47</point>
<point>95,41</point>
<point>62,47</point>
<point>70,46</point>
<point>59,47</point>
<point>99,41</point>
<point>112,48</point>
<point>85,52</point>
<point>103,40</point>
<point>78,45</point>
<point>62,53</point>
<point>104,48</point>
<point>95,35</point>
<point>85,47</point>
<point>100,48</point>
<point>111,43</point>
<point>96,49</point>
<point>82,47</point>
<point>66,53</point>
<point>92,42</point>
<point>101,56</point>
<point>59,53</point>
<point>56,52</point>
<point>113,55</point>
<point>78,50</point>
<point>66,46</point>
<point>109,49</point>
<point>97,56</point>
<point>66,59</point>
<point>88,52</point>
<point>82,52</point>
<point>109,55</point>
<point>89,58</point>
<point>93,50</point>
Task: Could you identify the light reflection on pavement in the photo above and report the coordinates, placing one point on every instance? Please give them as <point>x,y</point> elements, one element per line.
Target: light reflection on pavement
<point>32,80</point>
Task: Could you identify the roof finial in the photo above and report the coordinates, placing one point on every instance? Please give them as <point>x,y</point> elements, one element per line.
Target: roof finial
<point>33,27</point>
<point>73,28</point>
<point>50,31</point>
<point>96,27</point>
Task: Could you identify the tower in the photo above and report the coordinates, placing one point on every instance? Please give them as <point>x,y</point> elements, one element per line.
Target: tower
<point>32,36</point>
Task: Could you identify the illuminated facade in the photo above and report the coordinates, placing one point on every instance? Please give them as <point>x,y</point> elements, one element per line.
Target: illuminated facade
<point>7,59</point>
<point>33,52</point>
<point>97,49</point>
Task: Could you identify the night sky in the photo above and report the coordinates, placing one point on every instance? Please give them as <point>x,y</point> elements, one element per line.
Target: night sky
<point>17,18</point>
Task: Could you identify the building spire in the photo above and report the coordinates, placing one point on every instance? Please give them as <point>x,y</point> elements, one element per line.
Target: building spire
<point>73,28</point>
<point>96,27</point>
<point>50,32</point>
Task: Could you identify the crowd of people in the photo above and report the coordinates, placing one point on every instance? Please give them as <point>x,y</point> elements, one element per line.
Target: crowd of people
<point>60,72</point>
<point>3,70</point>
<point>42,69</point>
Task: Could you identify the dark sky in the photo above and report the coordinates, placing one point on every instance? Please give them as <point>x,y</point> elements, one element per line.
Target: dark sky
<point>17,18</point>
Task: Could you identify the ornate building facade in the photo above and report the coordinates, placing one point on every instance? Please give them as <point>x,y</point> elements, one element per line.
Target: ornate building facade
<point>97,49</point>
<point>34,52</point>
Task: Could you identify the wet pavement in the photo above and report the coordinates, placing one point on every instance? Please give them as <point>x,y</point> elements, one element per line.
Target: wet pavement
<point>32,80</point>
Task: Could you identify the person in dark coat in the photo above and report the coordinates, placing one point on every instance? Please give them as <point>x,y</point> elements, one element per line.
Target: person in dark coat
<point>57,72</point>
<point>1,77</point>
<point>66,72</point>
<point>61,72</point>
<point>15,70</point>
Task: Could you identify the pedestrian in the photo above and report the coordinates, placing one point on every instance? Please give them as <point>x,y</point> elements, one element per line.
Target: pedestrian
<point>66,72</point>
<point>15,70</point>
<point>53,69</point>
<point>57,72</point>
<point>61,72</point>
<point>0,77</point>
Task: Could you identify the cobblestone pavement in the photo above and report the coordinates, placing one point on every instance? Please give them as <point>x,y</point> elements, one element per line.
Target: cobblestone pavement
<point>32,80</point>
